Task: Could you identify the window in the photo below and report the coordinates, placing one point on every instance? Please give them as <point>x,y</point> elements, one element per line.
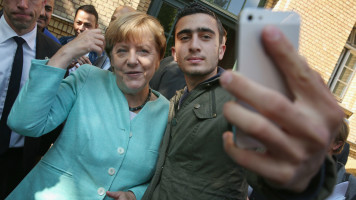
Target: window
<point>344,74</point>
<point>234,6</point>
<point>345,68</point>
<point>352,38</point>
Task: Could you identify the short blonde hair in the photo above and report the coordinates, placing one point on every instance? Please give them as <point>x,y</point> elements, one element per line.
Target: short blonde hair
<point>134,26</point>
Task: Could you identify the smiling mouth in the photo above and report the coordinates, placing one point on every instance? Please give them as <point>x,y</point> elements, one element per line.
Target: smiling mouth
<point>133,74</point>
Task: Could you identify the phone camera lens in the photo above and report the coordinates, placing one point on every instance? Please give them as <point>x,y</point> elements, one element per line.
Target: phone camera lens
<point>250,17</point>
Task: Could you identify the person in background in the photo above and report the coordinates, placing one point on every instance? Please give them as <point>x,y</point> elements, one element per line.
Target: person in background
<point>169,78</point>
<point>108,142</point>
<point>344,155</point>
<point>119,11</point>
<point>192,163</point>
<point>20,42</point>
<point>103,61</point>
<point>86,18</point>
<point>336,147</point>
<point>45,17</point>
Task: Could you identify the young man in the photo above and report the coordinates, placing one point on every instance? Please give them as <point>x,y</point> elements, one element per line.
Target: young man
<point>19,154</point>
<point>192,163</point>
<point>86,18</point>
<point>45,17</point>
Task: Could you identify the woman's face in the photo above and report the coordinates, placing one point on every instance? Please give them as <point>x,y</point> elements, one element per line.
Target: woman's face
<point>134,64</point>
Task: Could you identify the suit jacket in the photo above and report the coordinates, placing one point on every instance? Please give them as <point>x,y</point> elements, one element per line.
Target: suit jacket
<point>34,148</point>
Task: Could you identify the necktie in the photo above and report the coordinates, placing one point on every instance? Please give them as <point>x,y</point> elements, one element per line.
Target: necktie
<point>12,92</point>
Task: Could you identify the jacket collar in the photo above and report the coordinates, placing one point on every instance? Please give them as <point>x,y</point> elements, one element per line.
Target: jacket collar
<point>206,83</point>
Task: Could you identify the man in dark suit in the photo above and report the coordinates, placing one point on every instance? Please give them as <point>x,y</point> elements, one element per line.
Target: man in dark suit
<point>18,33</point>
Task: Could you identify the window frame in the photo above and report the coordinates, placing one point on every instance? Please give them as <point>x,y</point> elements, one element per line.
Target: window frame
<point>340,65</point>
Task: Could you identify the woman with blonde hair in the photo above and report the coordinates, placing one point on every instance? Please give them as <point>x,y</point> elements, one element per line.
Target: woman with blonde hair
<point>114,121</point>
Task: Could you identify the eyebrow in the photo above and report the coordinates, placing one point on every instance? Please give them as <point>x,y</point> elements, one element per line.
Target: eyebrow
<point>199,30</point>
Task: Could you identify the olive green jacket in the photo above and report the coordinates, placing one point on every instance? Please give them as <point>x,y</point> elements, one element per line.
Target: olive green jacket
<point>192,163</point>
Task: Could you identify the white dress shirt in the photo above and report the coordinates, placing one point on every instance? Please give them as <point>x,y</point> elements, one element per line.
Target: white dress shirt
<point>8,48</point>
<point>106,64</point>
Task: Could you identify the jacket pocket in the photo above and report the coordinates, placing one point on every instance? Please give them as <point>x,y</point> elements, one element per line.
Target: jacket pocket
<point>204,111</point>
<point>55,169</point>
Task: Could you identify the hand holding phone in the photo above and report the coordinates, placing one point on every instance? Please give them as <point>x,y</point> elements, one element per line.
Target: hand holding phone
<point>252,59</point>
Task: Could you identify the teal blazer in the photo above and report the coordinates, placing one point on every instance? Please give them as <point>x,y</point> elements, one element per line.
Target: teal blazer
<point>100,148</point>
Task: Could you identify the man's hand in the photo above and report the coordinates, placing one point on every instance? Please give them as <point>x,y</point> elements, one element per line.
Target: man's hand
<point>90,40</point>
<point>296,133</point>
<point>83,60</point>
<point>121,195</point>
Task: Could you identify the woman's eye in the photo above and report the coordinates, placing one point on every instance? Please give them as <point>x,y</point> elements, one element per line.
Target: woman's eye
<point>143,51</point>
<point>121,51</point>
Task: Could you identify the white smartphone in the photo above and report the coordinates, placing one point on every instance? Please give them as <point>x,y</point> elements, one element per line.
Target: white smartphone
<point>252,61</point>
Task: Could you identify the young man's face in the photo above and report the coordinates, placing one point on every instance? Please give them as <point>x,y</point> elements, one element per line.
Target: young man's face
<point>197,49</point>
<point>84,21</point>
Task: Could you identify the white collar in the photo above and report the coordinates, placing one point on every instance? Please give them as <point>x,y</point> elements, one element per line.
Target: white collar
<point>7,33</point>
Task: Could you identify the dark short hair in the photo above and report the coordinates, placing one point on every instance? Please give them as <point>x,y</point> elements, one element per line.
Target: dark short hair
<point>196,8</point>
<point>88,9</point>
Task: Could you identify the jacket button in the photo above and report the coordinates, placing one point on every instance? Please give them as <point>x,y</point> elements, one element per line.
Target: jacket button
<point>214,115</point>
<point>196,106</point>
<point>130,135</point>
<point>101,191</point>
<point>120,150</point>
<point>111,171</point>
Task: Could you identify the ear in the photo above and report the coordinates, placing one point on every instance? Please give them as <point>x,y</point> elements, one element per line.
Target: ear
<point>173,50</point>
<point>222,49</point>
<point>337,145</point>
<point>96,25</point>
